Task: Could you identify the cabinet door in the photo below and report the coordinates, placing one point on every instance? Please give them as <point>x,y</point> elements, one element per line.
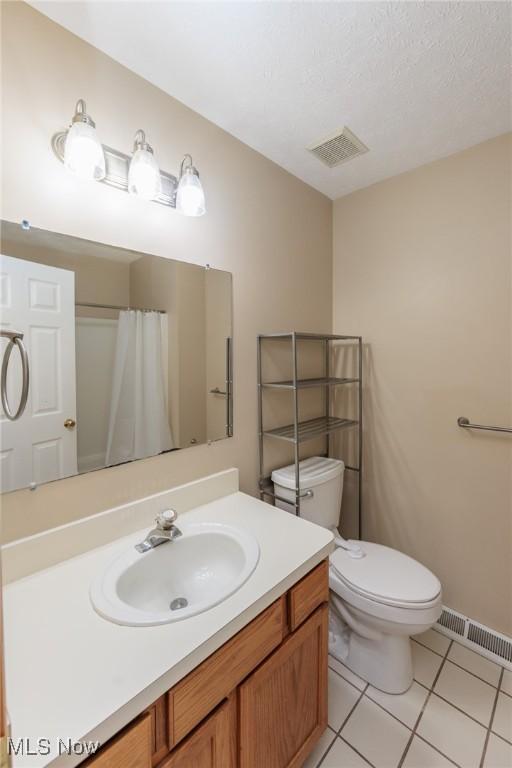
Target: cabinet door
<point>212,744</point>
<point>158,715</point>
<point>283,705</point>
<point>130,749</point>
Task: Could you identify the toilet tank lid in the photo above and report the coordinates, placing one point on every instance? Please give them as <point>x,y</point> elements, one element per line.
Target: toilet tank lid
<point>313,471</point>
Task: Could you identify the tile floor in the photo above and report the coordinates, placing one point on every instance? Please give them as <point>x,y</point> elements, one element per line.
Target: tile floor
<point>458,712</point>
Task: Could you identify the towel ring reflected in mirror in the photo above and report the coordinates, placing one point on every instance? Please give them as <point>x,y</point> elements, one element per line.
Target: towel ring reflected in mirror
<point>15,340</point>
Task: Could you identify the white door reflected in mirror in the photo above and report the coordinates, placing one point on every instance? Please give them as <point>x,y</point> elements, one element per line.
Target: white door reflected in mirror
<point>39,300</point>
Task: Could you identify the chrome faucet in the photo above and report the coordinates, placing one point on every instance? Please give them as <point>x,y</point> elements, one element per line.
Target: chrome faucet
<point>165,531</point>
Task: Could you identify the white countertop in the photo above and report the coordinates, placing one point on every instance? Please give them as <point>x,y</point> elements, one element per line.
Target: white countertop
<point>71,674</point>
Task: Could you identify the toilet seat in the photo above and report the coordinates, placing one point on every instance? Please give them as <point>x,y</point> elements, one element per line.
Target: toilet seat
<point>386,576</point>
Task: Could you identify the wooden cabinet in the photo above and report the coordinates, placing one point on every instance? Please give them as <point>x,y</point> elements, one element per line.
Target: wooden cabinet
<point>130,749</point>
<point>159,737</point>
<point>212,744</point>
<point>283,705</point>
<point>198,693</point>
<point>259,701</point>
<point>308,594</point>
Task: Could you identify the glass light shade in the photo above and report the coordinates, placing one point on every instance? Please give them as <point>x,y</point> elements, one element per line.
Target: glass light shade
<point>144,175</point>
<point>83,153</point>
<point>190,195</point>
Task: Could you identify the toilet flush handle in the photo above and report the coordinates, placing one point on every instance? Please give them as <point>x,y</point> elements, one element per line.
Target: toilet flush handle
<point>352,548</point>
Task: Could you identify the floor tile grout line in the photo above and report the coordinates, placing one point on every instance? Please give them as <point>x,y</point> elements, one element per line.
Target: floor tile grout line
<point>493,712</point>
<point>436,749</point>
<point>324,755</point>
<point>351,711</point>
<point>456,664</point>
<point>364,693</point>
<point>381,706</point>
<point>355,750</point>
<point>347,680</point>
<point>501,738</point>
<point>417,734</point>
<point>427,699</point>
<point>420,683</point>
<point>443,656</point>
<point>474,674</point>
<point>462,711</point>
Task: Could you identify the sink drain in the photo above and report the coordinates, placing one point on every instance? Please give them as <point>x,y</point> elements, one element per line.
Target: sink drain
<point>177,603</point>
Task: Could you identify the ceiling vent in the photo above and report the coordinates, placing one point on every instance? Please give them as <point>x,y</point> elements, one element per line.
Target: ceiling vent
<point>338,149</point>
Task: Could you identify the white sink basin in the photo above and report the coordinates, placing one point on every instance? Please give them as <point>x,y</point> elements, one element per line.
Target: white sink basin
<point>177,579</point>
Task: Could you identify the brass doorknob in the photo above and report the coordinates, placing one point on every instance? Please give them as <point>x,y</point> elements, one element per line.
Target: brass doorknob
<point>70,423</point>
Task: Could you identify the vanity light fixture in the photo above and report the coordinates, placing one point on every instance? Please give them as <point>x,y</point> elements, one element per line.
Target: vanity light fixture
<point>190,194</point>
<point>144,173</point>
<point>80,151</point>
<point>83,153</point>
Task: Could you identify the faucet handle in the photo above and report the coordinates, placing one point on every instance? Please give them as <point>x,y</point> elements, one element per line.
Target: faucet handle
<point>166,518</point>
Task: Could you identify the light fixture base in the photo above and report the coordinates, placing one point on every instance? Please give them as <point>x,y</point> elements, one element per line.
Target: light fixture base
<point>117,165</point>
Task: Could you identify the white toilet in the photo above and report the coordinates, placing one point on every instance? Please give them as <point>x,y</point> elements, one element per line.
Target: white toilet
<point>379,597</point>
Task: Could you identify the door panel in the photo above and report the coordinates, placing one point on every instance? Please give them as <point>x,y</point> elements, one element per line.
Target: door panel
<point>283,705</point>
<point>212,744</point>
<point>130,749</point>
<point>39,301</point>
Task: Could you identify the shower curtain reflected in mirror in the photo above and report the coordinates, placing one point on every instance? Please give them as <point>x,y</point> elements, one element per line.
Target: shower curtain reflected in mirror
<point>139,420</point>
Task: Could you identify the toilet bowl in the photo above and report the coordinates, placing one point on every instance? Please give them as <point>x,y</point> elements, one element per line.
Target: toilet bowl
<point>379,597</point>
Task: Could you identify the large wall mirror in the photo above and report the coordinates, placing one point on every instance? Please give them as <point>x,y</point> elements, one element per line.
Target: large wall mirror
<point>129,355</point>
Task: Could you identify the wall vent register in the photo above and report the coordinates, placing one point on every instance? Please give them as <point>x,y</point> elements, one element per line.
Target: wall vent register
<point>476,636</point>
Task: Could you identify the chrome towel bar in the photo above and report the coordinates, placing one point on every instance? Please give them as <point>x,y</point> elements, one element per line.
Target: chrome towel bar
<point>217,391</point>
<point>15,339</point>
<point>463,422</point>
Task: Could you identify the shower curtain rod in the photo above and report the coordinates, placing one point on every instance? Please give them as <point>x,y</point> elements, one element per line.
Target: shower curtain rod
<point>116,307</point>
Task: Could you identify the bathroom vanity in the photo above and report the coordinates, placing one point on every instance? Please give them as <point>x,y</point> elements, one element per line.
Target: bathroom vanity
<point>261,699</point>
<point>243,683</point>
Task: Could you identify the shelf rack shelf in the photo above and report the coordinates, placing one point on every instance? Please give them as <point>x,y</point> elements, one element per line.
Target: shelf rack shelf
<point>299,432</point>
<point>324,425</point>
<point>308,383</point>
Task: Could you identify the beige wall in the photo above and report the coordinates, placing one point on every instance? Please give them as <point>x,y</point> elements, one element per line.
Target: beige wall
<point>191,308</point>
<point>98,280</point>
<point>422,269</point>
<point>269,229</point>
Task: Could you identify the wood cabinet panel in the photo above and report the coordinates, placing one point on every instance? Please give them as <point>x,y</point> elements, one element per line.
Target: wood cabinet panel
<point>212,744</point>
<point>308,594</point>
<point>283,704</point>
<point>159,745</point>
<point>191,700</point>
<point>130,749</point>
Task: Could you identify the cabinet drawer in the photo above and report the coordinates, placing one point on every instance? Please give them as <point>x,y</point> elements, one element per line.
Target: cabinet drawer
<point>131,748</point>
<point>213,680</point>
<point>308,594</point>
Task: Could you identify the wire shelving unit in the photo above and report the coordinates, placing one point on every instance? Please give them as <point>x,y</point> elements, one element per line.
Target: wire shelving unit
<point>299,432</point>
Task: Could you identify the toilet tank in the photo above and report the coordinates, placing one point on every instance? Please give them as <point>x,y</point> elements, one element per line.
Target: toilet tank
<point>321,487</point>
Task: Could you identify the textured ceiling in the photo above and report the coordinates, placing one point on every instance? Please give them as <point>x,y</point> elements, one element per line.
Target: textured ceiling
<point>414,81</point>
